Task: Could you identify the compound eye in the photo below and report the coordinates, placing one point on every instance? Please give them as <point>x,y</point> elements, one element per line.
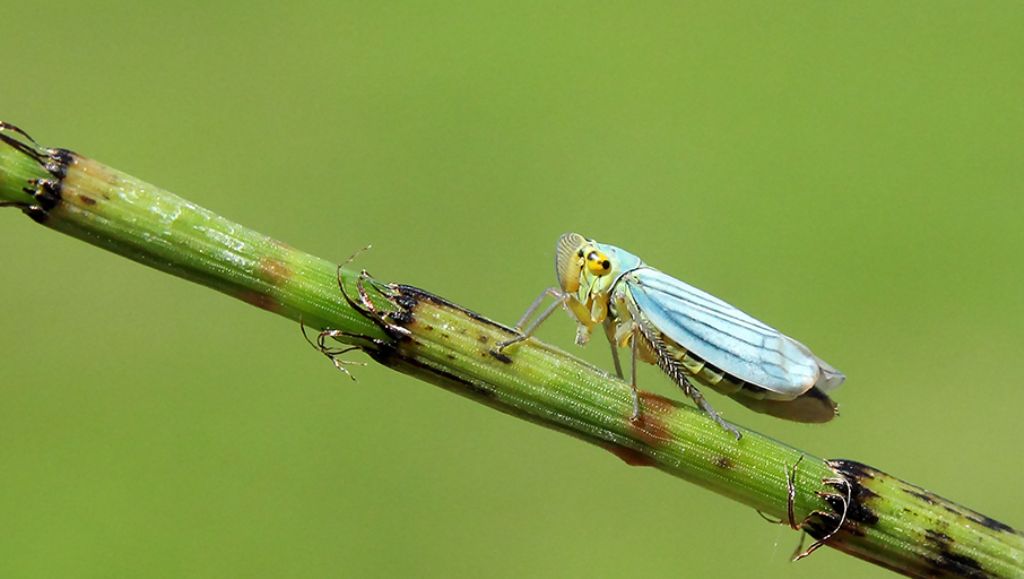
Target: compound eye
<point>598,263</point>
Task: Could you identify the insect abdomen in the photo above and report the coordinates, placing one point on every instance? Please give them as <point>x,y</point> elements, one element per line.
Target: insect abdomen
<point>705,374</point>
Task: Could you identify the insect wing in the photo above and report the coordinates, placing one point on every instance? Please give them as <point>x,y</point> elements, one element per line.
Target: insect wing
<point>725,336</point>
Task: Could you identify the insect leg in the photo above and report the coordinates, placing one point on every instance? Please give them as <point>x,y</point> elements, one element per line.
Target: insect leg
<point>698,398</point>
<point>532,327</point>
<point>536,304</point>
<point>671,366</point>
<point>609,332</point>
<point>632,383</point>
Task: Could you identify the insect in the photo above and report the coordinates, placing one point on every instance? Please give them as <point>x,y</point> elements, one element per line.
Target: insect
<point>694,337</point>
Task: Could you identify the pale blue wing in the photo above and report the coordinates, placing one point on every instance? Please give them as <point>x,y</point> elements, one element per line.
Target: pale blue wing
<point>726,337</point>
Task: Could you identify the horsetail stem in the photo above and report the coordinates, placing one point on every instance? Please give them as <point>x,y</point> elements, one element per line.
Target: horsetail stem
<point>844,504</point>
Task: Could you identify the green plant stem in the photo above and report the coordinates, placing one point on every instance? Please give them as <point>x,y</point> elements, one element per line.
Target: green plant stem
<point>854,508</point>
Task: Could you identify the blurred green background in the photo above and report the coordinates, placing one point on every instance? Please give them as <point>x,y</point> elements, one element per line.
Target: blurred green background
<point>851,173</point>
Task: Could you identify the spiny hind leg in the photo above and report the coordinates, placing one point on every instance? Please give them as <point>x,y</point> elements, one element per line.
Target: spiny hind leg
<point>671,366</point>
<point>698,398</point>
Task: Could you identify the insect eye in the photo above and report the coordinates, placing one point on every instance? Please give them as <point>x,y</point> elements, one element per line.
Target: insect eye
<point>598,263</point>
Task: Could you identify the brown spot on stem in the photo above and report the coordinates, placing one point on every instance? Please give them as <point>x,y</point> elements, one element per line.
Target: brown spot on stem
<point>630,456</point>
<point>86,199</point>
<point>500,357</point>
<point>650,426</point>
<point>260,300</point>
<point>274,270</point>
<point>724,462</point>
